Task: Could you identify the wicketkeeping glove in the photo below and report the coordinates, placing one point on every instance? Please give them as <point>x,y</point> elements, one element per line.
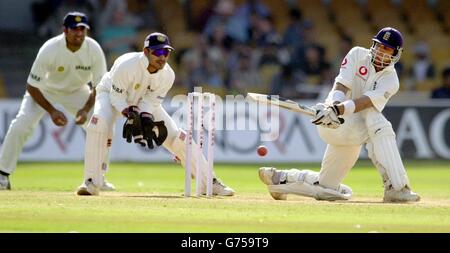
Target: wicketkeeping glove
<point>132,129</point>
<point>153,130</point>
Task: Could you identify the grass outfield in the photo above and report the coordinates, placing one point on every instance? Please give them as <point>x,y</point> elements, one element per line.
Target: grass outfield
<point>149,199</point>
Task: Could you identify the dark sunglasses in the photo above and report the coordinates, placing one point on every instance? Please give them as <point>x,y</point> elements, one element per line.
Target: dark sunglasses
<point>161,51</point>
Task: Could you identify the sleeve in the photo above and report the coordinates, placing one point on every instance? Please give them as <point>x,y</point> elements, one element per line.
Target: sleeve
<point>153,99</point>
<point>119,87</point>
<point>39,69</point>
<point>347,70</point>
<point>99,65</point>
<point>384,89</point>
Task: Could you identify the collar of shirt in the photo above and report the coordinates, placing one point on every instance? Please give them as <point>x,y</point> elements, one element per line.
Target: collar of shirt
<point>144,63</point>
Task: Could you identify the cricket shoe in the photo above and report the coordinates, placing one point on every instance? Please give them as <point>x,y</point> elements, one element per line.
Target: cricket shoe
<point>403,195</point>
<point>221,189</point>
<point>4,182</point>
<point>107,186</point>
<point>88,188</point>
<point>271,176</point>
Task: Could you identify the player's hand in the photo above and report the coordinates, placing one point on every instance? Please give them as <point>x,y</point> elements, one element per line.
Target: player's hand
<point>153,130</point>
<point>81,117</point>
<point>58,118</point>
<point>320,113</point>
<point>132,129</point>
<point>327,116</point>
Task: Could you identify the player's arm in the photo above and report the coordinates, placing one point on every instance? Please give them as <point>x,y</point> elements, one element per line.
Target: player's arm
<point>375,98</point>
<point>37,81</point>
<point>57,116</point>
<point>155,130</point>
<point>98,70</point>
<point>82,114</point>
<point>153,98</point>
<point>360,104</point>
<point>353,105</point>
<point>120,80</point>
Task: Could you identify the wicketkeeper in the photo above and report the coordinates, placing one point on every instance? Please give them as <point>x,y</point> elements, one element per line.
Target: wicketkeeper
<point>134,88</point>
<point>350,117</point>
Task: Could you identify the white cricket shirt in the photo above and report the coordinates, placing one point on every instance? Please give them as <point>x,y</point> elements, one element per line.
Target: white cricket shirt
<point>358,74</point>
<point>58,69</point>
<point>130,83</point>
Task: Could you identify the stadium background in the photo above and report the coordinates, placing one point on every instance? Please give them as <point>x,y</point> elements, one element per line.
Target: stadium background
<point>291,48</point>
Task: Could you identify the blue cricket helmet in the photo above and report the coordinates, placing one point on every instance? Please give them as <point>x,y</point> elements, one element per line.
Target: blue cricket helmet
<point>389,37</point>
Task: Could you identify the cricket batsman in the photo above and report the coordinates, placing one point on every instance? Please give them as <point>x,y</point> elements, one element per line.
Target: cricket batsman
<point>350,117</point>
<point>134,88</point>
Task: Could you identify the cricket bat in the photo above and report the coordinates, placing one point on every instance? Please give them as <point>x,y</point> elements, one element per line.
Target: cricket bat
<point>282,102</point>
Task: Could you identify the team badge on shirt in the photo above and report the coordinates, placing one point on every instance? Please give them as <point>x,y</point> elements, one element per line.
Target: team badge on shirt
<point>137,86</point>
<point>60,69</point>
<point>363,70</point>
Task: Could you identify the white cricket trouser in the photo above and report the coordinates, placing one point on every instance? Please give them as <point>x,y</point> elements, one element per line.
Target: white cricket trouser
<point>342,152</point>
<point>27,119</point>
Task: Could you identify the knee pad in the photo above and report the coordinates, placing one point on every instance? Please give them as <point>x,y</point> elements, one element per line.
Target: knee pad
<point>378,125</point>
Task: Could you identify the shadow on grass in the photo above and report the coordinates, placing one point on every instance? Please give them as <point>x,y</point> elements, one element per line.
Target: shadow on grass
<point>154,196</point>
<point>171,197</point>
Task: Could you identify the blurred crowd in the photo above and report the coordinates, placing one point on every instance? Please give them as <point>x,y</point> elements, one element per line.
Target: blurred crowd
<point>237,48</point>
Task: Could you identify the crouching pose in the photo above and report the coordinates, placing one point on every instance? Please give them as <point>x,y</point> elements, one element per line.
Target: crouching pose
<point>351,117</point>
<point>135,88</point>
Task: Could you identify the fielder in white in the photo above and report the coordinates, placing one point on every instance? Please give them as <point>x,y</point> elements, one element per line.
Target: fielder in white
<point>134,88</point>
<point>61,73</point>
<point>351,117</point>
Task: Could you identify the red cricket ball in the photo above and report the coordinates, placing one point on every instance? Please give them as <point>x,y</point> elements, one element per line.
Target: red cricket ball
<point>262,150</point>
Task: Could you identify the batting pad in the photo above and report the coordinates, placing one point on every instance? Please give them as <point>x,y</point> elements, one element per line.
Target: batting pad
<point>304,183</point>
<point>96,149</point>
<point>385,151</point>
<point>315,191</point>
<point>387,156</point>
